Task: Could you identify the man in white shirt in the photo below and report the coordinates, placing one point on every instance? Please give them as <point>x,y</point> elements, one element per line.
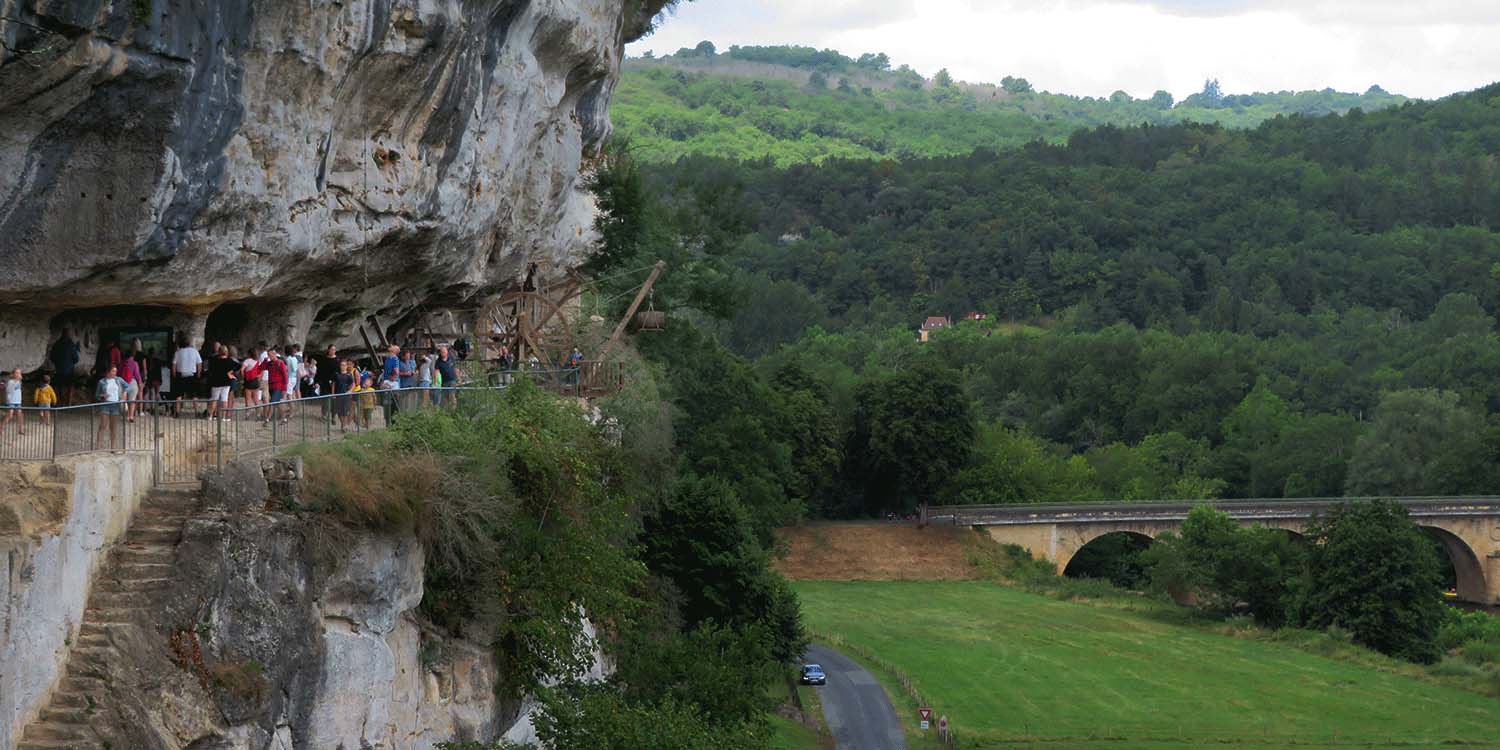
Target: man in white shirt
<point>187,364</point>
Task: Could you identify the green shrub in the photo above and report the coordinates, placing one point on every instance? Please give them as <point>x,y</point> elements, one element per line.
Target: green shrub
<point>517,501</point>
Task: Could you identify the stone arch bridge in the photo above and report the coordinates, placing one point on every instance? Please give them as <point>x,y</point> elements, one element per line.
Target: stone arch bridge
<point>1467,527</point>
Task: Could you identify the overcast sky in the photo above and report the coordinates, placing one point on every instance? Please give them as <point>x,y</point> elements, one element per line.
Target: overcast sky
<point>1423,48</point>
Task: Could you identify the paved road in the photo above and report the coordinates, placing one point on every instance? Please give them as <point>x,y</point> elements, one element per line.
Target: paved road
<point>857,710</point>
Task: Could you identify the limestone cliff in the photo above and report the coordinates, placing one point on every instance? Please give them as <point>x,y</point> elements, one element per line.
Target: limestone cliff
<point>308,161</point>
<point>217,624</point>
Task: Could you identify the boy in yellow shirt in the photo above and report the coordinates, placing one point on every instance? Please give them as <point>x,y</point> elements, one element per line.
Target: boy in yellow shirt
<point>45,398</point>
<point>366,399</point>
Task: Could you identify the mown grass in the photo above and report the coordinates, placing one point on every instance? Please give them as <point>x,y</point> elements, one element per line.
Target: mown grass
<point>1015,669</point>
<point>789,734</point>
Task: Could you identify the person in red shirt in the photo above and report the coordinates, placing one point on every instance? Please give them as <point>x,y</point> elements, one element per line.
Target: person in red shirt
<point>278,379</point>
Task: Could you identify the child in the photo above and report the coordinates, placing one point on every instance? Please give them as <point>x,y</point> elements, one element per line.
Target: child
<point>13,403</point>
<point>368,401</point>
<point>45,398</point>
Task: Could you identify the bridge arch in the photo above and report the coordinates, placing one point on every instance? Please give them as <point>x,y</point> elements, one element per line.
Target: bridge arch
<point>1110,555</point>
<point>1062,554</point>
<point>1468,571</point>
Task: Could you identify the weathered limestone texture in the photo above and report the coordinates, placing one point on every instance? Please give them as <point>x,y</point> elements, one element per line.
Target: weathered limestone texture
<point>310,162</point>
<point>275,631</point>
<point>62,520</point>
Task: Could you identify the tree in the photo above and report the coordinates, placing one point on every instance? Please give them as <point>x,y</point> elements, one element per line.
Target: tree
<point>912,434</point>
<point>706,48</point>
<point>1372,572</point>
<point>817,81</point>
<point>1227,567</point>
<point>1411,432</point>
<point>943,79</point>
<point>1162,99</point>
<point>703,542</point>
<point>1015,85</point>
<point>1211,92</point>
<point>1011,466</point>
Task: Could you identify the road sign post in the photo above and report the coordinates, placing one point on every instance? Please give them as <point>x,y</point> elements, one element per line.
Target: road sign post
<point>943,724</point>
<point>926,714</point>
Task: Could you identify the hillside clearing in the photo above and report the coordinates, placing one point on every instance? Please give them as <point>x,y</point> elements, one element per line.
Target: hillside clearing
<point>878,552</point>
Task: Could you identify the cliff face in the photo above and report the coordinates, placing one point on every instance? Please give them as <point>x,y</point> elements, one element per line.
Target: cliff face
<point>311,162</point>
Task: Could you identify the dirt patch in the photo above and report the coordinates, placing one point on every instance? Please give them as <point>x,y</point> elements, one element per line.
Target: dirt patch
<point>879,552</point>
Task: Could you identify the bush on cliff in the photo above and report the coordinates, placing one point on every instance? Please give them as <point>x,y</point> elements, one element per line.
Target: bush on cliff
<point>516,498</point>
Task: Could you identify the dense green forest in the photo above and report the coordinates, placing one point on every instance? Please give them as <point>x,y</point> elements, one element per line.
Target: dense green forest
<point>796,105</point>
<point>1304,308</point>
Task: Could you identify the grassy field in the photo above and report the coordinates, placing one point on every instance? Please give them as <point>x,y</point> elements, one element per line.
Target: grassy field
<point>1016,670</point>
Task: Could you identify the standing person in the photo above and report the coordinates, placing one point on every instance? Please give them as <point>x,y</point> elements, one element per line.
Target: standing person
<point>109,393</point>
<point>186,364</point>
<point>294,371</point>
<point>65,353</point>
<point>507,364</point>
<point>221,378</point>
<point>408,377</point>
<point>447,373</point>
<point>368,400</point>
<point>45,398</point>
<point>130,372</point>
<point>277,381</point>
<point>13,403</point>
<point>152,368</point>
<point>343,386</point>
<point>327,369</point>
<point>575,363</point>
<point>424,376</point>
<point>391,365</point>
<point>250,375</point>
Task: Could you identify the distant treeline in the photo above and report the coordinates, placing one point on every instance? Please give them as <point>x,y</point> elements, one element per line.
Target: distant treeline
<point>798,104</point>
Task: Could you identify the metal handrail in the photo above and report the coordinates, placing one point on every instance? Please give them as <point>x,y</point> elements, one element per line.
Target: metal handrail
<point>182,441</point>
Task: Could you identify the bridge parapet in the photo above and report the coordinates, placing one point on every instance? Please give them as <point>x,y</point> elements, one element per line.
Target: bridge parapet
<point>1242,510</point>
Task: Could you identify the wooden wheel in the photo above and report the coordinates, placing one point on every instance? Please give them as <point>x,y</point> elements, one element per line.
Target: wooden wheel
<point>529,324</point>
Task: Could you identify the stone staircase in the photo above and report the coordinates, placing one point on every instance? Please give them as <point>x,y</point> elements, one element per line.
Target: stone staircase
<point>137,566</point>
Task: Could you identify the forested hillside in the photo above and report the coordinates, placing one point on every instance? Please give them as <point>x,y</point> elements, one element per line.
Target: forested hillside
<point>796,105</point>
<point>1305,308</point>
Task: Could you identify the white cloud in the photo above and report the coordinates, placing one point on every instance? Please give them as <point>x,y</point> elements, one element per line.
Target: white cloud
<point>1427,49</point>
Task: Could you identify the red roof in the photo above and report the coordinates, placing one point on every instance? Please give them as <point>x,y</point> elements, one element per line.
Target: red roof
<point>935,321</point>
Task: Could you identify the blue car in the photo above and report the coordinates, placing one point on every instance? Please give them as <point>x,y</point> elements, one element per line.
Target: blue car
<point>812,674</point>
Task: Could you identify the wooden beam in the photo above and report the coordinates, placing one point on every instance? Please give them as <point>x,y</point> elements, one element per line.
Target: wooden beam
<point>614,338</point>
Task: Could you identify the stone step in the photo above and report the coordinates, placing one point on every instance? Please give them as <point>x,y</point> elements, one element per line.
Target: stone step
<point>117,615</point>
<point>85,744</point>
<point>90,656</point>
<point>52,730</point>
<point>92,639</point>
<point>111,599</point>
<point>60,745</point>
<point>171,500</point>
<point>153,553</point>
<point>68,700</point>
<point>131,584</point>
<point>66,715</point>
<point>142,571</point>
<point>154,534</point>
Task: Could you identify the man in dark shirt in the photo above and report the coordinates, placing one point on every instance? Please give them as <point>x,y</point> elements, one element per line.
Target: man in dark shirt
<point>447,372</point>
<point>221,374</point>
<point>328,370</point>
<point>65,354</point>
